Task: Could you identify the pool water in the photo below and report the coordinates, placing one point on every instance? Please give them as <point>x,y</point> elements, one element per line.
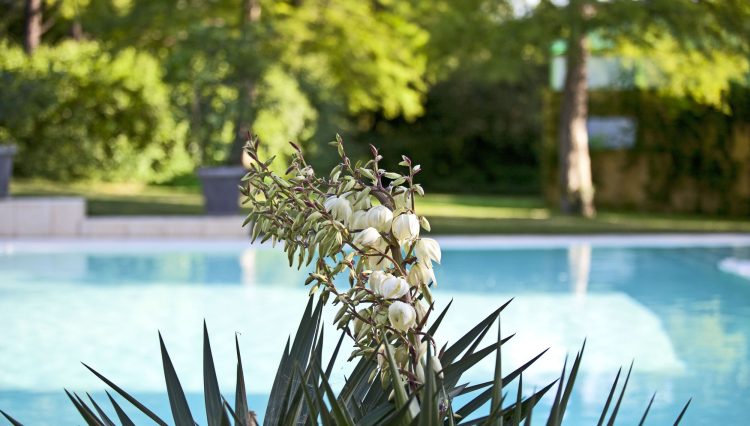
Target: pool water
<point>669,307</point>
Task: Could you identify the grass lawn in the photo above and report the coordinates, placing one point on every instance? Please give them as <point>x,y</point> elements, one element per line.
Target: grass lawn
<point>448,214</point>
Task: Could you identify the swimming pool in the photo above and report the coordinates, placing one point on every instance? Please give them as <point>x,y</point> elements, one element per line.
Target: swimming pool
<point>662,301</point>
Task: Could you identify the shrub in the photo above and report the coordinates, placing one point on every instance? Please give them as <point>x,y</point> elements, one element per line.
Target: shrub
<point>77,111</point>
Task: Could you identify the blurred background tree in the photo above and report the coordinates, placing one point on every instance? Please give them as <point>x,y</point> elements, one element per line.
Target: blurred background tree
<point>460,84</point>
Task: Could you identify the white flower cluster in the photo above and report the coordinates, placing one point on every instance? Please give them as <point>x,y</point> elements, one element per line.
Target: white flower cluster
<point>378,233</point>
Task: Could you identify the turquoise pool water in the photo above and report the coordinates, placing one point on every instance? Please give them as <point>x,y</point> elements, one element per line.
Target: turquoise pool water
<point>685,321</point>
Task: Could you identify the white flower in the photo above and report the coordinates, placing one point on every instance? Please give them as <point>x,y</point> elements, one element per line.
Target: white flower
<point>401,315</point>
<point>405,227</point>
<point>393,287</point>
<point>359,220</point>
<point>376,279</point>
<point>427,250</point>
<point>380,217</point>
<point>368,238</point>
<point>339,208</point>
<point>421,273</point>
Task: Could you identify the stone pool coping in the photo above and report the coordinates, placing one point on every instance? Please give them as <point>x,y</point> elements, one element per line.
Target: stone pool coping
<point>65,217</point>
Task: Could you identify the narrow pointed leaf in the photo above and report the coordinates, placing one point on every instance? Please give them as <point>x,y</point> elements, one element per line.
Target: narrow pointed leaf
<point>519,402</point>
<point>619,400</point>
<point>609,398</point>
<point>682,413</point>
<point>124,419</point>
<point>215,413</point>
<point>240,395</point>
<point>86,413</point>
<point>648,407</point>
<point>457,348</point>
<point>497,383</point>
<point>571,380</point>
<point>433,328</point>
<point>102,415</point>
<point>554,415</point>
<point>177,401</point>
<point>12,421</point>
<point>128,397</point>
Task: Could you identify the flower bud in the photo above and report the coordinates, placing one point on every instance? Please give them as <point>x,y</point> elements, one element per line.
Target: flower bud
<point>437,366</point>
<point>421,308</point>
<point>380,217</point>
<point>402,200</point>
<point>367,238</point>
<point>339,208</point>
<point>427,250</point>
<point>420,274</point>
<point>420,372</point>
<point>376,279</point>
<point>401,315</point>
<point>393,287</point>
<point>359,220</point>
<point>405,227</point>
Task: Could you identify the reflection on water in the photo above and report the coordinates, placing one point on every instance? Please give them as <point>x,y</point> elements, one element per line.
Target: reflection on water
<point>685,322</point>
<point>579,263</point>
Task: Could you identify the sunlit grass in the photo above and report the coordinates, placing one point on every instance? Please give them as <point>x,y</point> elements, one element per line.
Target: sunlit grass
<point>448,213</point>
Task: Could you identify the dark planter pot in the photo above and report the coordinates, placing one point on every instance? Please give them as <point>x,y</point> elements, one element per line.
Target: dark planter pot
<point>221,189</point>
<point>6,168</point>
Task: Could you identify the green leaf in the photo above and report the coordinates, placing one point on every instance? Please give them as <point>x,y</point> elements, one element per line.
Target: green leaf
<point>609,398</point>
<point>682,413</point>
<point>240,395</point>
<point>129,398</point>
<point>12,421</point>
<point>619,400</point>
<point>397,383</point>
<point>433,328</point>
<point>555,418</point>
<point>486,395</point>
<point>648,407</point>
<point>457,348</point>
<point>215,413</point>
<point>178,403</point>
<point>571,380</point>
<point>84,410</point>
<point>519,402</point>
<point>429,410</point>
<point>453,372</point>
<point>102,415</point>
<point>497,383</point>
<point>340,414</point>
<point>124,419</point>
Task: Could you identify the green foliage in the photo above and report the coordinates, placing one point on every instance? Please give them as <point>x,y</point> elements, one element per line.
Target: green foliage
<point>476,136</point>
<point>682,143</point>
<point>76,111</point>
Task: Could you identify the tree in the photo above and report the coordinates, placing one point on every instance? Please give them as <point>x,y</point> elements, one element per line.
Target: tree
<point>32,25</point>
<point>688,48</point>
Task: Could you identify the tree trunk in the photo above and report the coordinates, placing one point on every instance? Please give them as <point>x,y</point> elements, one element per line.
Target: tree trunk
<point>76,30</point>
<point>243,121</point>
<point>576,188</point>
<point>32,25</point>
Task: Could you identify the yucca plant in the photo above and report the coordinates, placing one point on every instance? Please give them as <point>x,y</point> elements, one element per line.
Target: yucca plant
<point>361,222</point>
<point>302,394</point>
